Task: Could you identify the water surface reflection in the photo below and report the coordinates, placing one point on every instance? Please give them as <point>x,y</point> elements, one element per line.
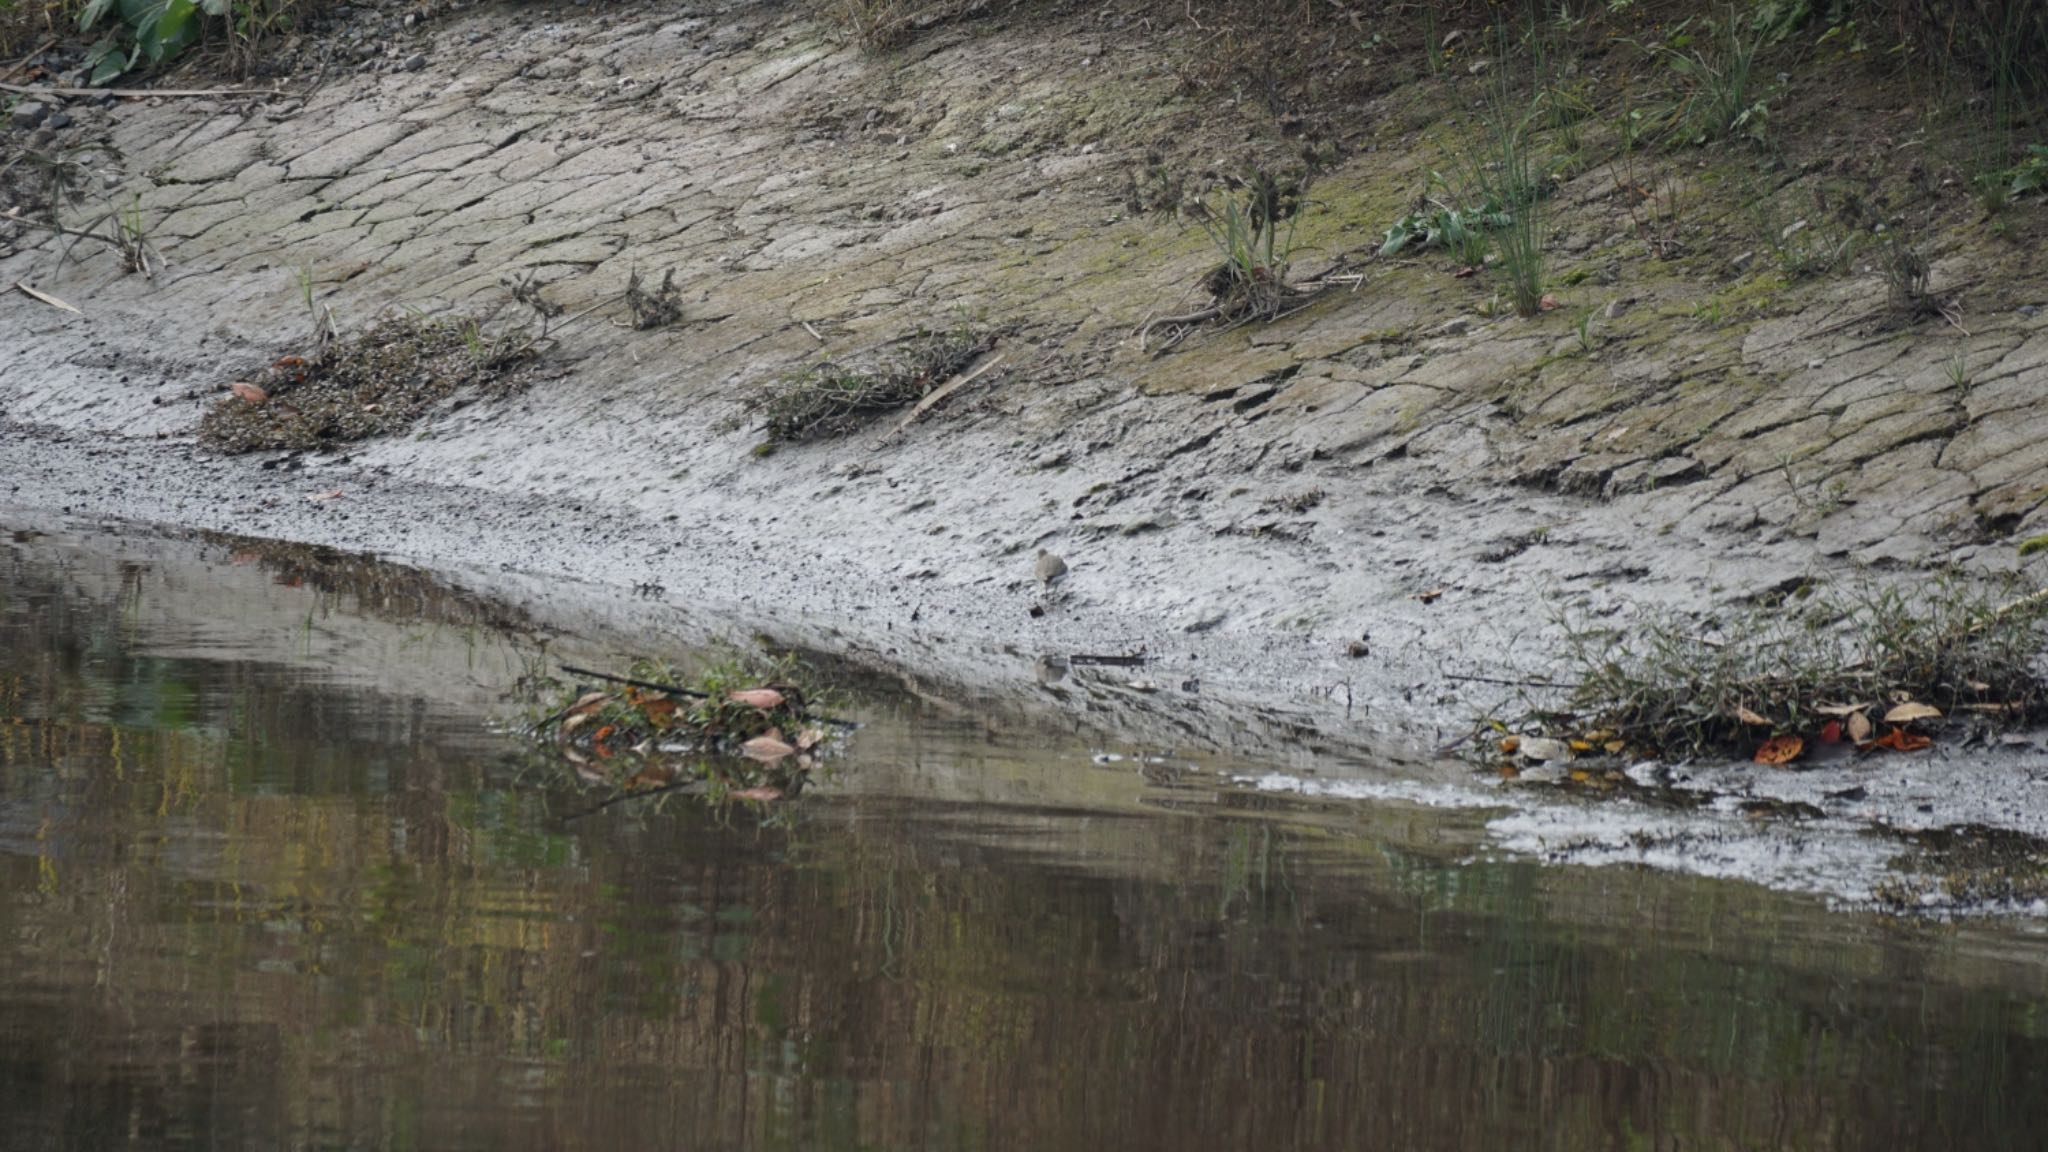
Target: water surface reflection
<point>248,903</point>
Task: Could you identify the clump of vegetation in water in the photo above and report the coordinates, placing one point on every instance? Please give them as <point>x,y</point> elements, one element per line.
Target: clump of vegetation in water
<point>378,382</point>
<point>730,732</point>
<point>829,399</point>
<point>1833,671</point>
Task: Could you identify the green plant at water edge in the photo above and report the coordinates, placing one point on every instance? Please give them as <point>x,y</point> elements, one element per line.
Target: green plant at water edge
<point>1677,686</point>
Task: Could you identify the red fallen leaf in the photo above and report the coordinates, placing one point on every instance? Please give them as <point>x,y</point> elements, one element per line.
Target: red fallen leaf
<point>248,393</point>
<point>1780,750</point>
<point>597,744</point>
<point>761,795</point>
<point>1548,303</point>
<point>1831,732</point>
<point>766,699</point>
<point>769,748</point>
<point>1900,740</point>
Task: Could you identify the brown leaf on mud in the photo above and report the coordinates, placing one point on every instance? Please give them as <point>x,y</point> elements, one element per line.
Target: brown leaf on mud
<point>323,497</point>
<point>1548,303</point>
<point>769,748</point>
<point>766,699</point>
<point>1837,709</point>
<point>1910,711</point>
<point>1831,732</point>
<point>1780,750</point>
<point>1429,597</point>
<point>1900,740</point>
<point>809,738</point>
<point>1860,727</point>
<point>248,393</point>
<point>587,703</point>
<point>1509,745</point>
<point>1746,716</point>
<point>761,795</point>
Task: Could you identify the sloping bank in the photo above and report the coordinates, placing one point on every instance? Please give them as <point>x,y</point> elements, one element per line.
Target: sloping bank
<point>1398,462</point>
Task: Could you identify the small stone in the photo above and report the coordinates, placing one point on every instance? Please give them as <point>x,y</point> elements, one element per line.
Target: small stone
<point>1816,364</point>
<point>1545,749</point>
<point>1614,309</point>
<point>59,119</point>
<point>2029,311</point>
<point>1457,327</point>
<point>1198,622</point>
<point>28,114</point>
<point>415,62</point>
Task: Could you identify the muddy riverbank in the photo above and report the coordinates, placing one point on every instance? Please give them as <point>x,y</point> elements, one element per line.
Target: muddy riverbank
<point>1314,528</point>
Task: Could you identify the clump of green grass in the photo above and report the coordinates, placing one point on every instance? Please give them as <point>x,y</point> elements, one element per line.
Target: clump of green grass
<point>1678,686</point>
<point>830,399</point>
<point>1712,65</point>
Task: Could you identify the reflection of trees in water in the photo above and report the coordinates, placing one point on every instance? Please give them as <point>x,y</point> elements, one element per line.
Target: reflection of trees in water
<point>280,914</point>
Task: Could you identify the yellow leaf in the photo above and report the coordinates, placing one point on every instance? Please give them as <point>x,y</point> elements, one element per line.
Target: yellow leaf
<point>1910,711</point>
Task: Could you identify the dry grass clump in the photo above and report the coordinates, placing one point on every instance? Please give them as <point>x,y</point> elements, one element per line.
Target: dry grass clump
<point>882,23</point>
<point>378,382</point>
<point>1677,687</point>
<point>829,399</point>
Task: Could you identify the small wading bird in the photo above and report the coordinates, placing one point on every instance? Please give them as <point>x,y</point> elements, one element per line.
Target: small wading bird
<point>1051,570</point>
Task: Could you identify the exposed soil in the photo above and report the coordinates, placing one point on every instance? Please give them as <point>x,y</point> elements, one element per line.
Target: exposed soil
<point>1328,522</point>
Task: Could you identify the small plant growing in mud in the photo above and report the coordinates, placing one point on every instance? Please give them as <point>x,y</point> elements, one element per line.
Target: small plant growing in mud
<point>657,308</point>
<point>830,399</point>
<point>1251,221</point>
<point>733,731</point>
<point>1907,279</point>
<point>1872,667</point>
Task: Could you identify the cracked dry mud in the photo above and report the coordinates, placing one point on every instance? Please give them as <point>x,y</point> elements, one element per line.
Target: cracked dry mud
<point>815,201</point>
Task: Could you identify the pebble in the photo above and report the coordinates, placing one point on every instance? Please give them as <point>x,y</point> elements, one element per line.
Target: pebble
<point>2029,311</point>
<point>415,62</point>
<point>27,115</point>
<point>60,119</point>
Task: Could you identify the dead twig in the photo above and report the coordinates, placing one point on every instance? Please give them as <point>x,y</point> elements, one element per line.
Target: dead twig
<point>938,395</point>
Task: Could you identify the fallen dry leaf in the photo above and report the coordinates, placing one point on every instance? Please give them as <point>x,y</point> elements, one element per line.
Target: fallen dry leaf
<point>1860,726</point>
<point>1429,597</point>
<point>1748,717</point>
<point>1510,744</point>
<point>588,702</point>
<point>766,699</point>
<point>1900,740</point>
<point>1831,732</point>
<point>1780,750</point>
<point>809,738</point>
<point>1837,709</point>
<point>761,795</point>
<point>248,393</point>
<point>1910,711</point>
<point>323,497</point>
<point>1548,303</point>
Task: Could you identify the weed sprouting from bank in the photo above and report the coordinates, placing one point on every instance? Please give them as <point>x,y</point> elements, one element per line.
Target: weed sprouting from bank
<point>829,399</point>
<point>1857,657</point>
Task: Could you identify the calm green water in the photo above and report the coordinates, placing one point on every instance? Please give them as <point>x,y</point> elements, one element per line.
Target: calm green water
<point>267,882</point>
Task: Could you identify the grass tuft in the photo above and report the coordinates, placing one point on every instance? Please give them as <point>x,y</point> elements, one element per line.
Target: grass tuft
<point>830,399</point>
<point>1677,687</point>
